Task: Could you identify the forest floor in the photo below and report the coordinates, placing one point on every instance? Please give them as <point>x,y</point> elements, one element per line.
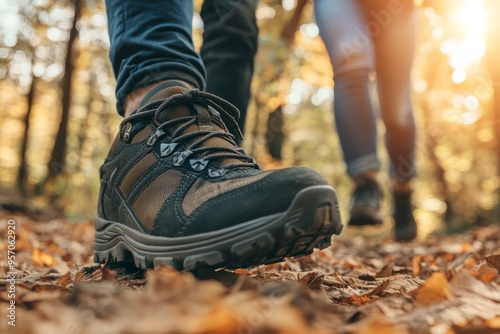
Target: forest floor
<point>358,285</point>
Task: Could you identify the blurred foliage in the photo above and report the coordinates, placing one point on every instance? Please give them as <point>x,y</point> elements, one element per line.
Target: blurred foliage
<point>453,98</point>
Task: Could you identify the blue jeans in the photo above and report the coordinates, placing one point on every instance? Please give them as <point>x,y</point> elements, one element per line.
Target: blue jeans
<point>361,36</point>
<point>151,41</point>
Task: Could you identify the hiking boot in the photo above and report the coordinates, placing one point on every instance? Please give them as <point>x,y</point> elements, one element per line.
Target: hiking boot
<point>405,227</point>
<point>176,190</point>
<point>366,208</point>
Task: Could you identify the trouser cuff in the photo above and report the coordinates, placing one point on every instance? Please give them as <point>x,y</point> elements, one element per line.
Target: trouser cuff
<point>363,164</point>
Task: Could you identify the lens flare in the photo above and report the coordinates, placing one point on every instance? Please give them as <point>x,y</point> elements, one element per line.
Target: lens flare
<point>470,20</point>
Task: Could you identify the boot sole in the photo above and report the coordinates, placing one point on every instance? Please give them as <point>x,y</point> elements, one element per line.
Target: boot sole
<point>308,223</point>
<point>365,216</point>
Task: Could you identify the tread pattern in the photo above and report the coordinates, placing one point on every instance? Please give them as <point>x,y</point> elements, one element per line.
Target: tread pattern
<point>302,231</point>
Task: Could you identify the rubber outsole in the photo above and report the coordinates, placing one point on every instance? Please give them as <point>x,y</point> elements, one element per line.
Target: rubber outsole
<point>406,232</point>
<point>310,221</point>
<point>365,216</point>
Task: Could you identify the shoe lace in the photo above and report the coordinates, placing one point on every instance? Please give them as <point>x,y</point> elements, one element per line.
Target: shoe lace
<point>219,112</point>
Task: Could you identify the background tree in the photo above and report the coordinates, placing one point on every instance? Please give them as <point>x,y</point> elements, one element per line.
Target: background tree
<point>57,159</point>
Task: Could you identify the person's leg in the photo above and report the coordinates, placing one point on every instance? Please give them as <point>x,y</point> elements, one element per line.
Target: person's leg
<point>151,41</point>
<point>394,51</point>
<point>230,39</point>
<point>394,40</point>
<point>176,189</point>
<point>342,28</point>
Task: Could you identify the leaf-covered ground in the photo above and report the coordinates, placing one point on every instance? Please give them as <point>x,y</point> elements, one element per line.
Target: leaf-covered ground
<point>358,285</point>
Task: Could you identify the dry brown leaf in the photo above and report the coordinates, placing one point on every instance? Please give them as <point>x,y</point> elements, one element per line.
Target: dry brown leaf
<point>386,271</point>
<point>352,263</point>
<point>108,274</point>
<point>79,276</point>
<point>485,273</point>
<point>43,293</point>
<point>465,283</point>
<point>466,246</point>
<point>375,325</point>
<point>41,258</point>
<point>240,271</point>
<point>379,289</point>
<point>54,249</point>
<point>494,261</point>
<point>360,300</point>
<point>494,323</point>
<point>311,280</point>
<point>65,279</point>
<point>472,330</point>
<point>403,284</point>
<point>219,319</point>
<point>415,265</point>
<point>436,289</point>
<point>340,282</point>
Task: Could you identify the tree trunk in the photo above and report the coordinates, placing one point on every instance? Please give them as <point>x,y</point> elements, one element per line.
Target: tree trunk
<point>57,159</point>
<point>85,125</point>
<point>22,174</point>
<point>431,140</point>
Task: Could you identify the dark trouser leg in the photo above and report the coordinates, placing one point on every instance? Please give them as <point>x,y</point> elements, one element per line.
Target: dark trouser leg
<point>230,44</point>
<point>151,41</point>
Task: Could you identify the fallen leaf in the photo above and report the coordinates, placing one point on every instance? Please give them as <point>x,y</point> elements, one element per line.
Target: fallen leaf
<point>436,289</point>
<point>494,323</point>
<point>311,280</point>
<point>466,246</point>
<point>42,259</point>
<point>379,289</point>
<point>358,285</point>
<point>360,300</point>
<point>386,271</point>
<point>486,273</point>
<point>494,261</point>
<point>79,276</point>
<point>108,274</point>
<point>415,265</point>
<point>374,325</point>
<point>65,279</point>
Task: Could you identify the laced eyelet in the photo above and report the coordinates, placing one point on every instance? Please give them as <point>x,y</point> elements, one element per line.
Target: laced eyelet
<point>212,172</point>
<point>126,133</point>
<point>198,164</point>
<point>155,137</point>
<point>180,157</point>
<point>166,149</point>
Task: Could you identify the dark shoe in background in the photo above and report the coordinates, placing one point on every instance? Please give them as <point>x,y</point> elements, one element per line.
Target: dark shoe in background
<point>366,207</point>
<point>176,190</point>
<point>405,227</point>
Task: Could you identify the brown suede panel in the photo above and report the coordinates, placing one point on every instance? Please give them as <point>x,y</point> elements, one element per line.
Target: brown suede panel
<point>202,190</point>
<point>154,195</point>
<point>136,172</point>
<point>166,93</point>
<point>141,135</point>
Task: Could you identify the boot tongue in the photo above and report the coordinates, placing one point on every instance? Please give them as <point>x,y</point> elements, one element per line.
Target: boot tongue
<point>205,119</point>
<point>165,90</point>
